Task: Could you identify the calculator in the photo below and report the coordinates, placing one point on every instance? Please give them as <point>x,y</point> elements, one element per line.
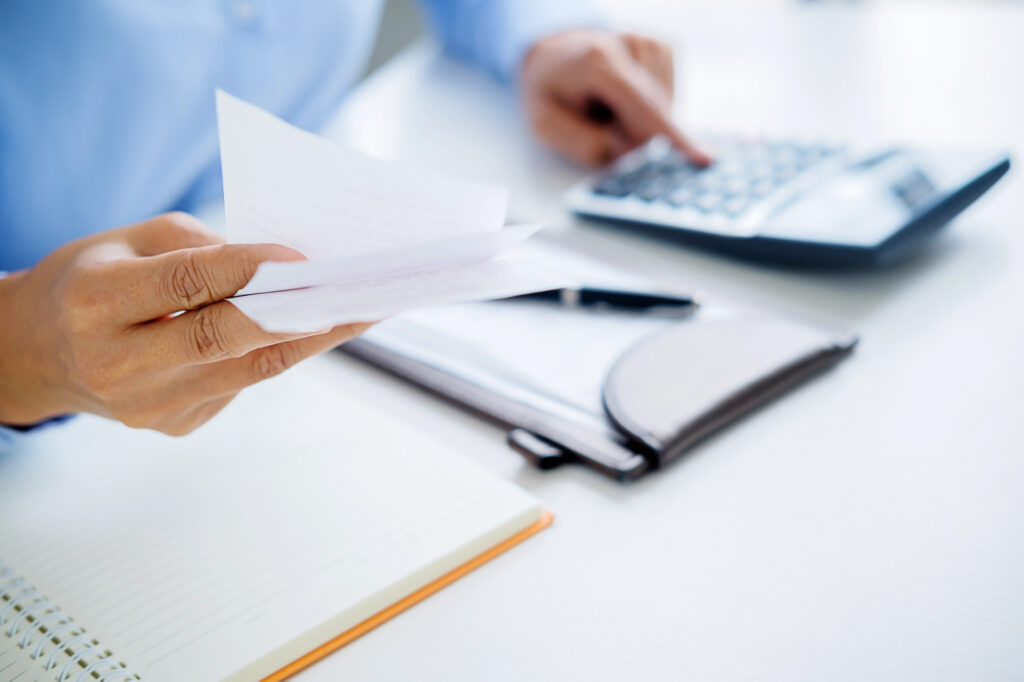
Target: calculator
<point>790,201</point>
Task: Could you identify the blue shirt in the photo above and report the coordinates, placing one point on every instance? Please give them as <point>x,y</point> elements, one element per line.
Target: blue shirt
<point>106,106</point>
<point>107,109</point>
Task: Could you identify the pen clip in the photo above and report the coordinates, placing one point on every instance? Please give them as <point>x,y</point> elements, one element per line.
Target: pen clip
<point>538,451</point>
<point>544,453</point>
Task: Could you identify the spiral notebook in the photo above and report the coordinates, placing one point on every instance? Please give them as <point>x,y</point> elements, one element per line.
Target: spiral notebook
<point>294,522</point>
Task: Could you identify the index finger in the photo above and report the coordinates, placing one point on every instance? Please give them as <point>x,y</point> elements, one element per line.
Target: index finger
<point>213,333</point>
<point>153,286</point>
<point>638,112</point>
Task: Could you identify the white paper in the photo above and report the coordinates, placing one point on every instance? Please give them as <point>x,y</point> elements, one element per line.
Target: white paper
<point>376,297</point>
<point>380,237</point>
<point>459,250</point>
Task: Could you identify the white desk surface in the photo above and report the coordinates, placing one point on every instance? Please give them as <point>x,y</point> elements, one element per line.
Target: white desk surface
<point>870,526</point>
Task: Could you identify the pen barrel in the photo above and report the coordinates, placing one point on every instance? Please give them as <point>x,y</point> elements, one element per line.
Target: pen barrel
<point>628,299</point>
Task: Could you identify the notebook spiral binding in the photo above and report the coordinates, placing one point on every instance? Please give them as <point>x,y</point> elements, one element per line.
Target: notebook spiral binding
<point>33,623</point>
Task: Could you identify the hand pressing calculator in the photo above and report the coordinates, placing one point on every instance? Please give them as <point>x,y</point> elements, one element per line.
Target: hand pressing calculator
<point>792,202</point>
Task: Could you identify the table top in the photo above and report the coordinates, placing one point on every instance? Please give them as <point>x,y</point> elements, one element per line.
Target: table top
<point>868,526</point>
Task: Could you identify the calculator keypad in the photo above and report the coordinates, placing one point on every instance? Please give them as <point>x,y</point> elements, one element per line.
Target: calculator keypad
<point>743,174</point>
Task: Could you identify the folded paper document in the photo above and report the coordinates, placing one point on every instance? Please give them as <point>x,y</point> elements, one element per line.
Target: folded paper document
<point>380,237</point>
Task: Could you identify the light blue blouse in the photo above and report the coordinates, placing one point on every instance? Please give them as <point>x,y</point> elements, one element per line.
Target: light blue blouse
<point>107,109</point>
<point>106,106</point>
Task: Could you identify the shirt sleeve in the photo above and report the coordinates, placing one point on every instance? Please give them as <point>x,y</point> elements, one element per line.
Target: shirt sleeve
<point>10,436</point>
<point>496,34</point>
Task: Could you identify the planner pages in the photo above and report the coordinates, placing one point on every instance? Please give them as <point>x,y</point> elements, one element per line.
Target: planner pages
<point>293,517</point>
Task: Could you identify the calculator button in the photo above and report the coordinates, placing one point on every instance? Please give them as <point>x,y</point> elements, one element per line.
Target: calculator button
<point>762,187</point>
<point>734,206</point>
<point>708,202</point>
<point>744,174</point>
<point>651,169</point>
<point>786,154</point>
<point>613,187</point>
<point>785,172</point>
<point>810,155</point>
<point>681,174</point>
<point>710,180</point>
<point>760,169</point>
<point>653,188</point>
<point>735,184</point>
<point>730,165</point>
<point>681,196</point>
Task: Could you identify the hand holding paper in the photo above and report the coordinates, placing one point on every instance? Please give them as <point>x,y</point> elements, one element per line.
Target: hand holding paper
<point>380,237</point>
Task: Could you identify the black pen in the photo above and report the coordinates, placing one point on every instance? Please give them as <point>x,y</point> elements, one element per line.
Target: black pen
<point>592,297</point>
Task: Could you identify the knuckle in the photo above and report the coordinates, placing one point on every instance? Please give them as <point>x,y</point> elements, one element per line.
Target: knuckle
<point>178,218</point>
<point>205,335</point>
<point>596,55</point>
<point>271,361</point>
<point>186,282</point>
<point>185,224</point>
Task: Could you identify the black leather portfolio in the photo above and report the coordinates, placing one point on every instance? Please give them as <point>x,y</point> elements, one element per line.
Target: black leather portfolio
<point>624,393</point>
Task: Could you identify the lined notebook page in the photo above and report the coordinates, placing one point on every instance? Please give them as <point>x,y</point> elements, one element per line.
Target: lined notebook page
<point>293,516</point>
<point>16,666</point>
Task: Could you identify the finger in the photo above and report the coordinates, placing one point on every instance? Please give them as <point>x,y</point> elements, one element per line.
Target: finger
<point>185,279</point>
<point>233,375</point>
<point>638,110</point>
<point>642,117</point>
<point>218,387</point>
<point>579,139</point>
<point>656,57</point>
<point>214,332</point>
<point>169,232</point>
<point>667,68</point>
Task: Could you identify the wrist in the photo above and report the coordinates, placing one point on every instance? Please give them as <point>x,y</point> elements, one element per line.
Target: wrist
<point>24,398</point>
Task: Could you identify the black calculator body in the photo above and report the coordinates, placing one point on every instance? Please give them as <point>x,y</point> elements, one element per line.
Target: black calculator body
<point>792,202</point>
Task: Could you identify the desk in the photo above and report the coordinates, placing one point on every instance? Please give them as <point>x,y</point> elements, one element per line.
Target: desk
<point>868,527</point>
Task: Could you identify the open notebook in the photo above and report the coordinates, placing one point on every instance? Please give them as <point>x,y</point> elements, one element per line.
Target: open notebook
<point>289,525</point>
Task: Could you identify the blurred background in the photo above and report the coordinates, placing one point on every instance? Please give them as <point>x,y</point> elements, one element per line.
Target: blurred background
<point>402,23</point>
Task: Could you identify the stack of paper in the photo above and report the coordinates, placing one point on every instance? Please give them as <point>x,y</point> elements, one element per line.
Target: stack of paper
<point>380,237</point>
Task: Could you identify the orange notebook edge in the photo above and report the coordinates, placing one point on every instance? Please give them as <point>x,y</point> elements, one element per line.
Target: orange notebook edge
<point>419,595</point>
